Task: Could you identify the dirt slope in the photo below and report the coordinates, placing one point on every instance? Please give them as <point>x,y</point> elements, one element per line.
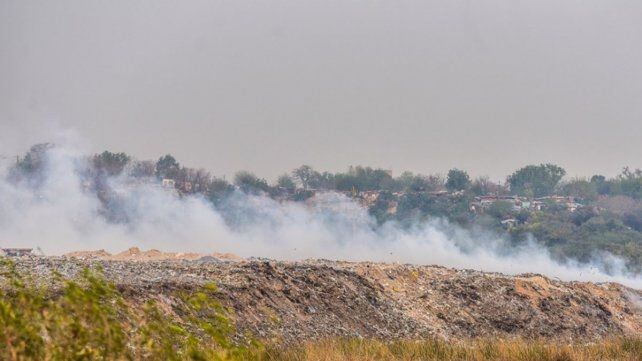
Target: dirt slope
<point>287,302</point>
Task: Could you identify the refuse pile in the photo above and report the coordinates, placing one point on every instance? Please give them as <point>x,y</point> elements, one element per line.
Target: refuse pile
<point>294,301</point>
<point>136,254</point>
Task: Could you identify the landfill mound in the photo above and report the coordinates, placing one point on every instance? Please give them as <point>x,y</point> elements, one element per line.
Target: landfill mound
<point>287,302</point>
<point>136,254</point>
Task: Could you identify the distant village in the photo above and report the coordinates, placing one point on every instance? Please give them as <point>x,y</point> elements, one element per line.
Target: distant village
<point>477,206</point>
<point>574,217</point>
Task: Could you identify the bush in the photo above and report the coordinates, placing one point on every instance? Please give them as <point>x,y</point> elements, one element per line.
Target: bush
<point>88,319</point>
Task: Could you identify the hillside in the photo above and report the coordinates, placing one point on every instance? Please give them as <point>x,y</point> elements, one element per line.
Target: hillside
<point>286,302</point>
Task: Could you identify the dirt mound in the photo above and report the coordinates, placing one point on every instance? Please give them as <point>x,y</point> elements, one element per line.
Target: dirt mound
<point>136,254</point>
<point>286,302</point>
<point>99,254</point>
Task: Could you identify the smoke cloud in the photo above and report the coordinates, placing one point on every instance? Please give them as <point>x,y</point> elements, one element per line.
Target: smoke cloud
<point>58,214</point>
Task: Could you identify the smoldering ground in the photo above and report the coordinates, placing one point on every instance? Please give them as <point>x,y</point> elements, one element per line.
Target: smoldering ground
<point>57,211</point>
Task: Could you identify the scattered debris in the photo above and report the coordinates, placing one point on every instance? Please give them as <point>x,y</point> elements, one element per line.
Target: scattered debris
<point>294,301</point>
<point>135,254</point>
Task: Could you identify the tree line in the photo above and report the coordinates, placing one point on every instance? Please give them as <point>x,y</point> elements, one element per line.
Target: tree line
<point>610,219</point>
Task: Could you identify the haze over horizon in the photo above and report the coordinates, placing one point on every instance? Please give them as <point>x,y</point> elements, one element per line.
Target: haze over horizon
<point>421,86</point>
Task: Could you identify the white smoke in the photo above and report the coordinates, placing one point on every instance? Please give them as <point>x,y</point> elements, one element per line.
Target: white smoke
<point>60,215</point>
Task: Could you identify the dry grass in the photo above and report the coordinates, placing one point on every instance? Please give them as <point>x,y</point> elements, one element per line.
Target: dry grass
<point>370,350</point>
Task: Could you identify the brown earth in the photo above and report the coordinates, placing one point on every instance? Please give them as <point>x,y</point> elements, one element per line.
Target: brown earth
<point>294,301</point>
<point>135,254</point>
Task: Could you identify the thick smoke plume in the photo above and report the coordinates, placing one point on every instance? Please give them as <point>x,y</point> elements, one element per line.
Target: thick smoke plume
<point>58,214</point>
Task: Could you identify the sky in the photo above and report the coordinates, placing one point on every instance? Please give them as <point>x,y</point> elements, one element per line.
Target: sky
<point>486,86</point>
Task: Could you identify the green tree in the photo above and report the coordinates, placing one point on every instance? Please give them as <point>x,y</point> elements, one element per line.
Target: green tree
<point>580,188</point>
<point>602,186</point>
<point>630,183</point>
<point>111,163</point>
<point>484,186</point>
<point>286,182</point>
<point>410,182</point>
<point>167,167</point>
<point>34,160</point>
<point>249,183</point>
<point>304,175</point>
<point>219,189</point>
<point>536,180</point>
<point>501,210</point>
<point>457,180</point>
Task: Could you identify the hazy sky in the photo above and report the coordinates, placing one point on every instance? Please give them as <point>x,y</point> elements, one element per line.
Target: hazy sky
<point>487,86</point>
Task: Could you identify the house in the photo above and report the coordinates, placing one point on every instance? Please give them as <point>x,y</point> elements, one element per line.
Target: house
<point>509,223</point>
<point>369,197</point>
<point>168,183</point>
<point>569,202</point>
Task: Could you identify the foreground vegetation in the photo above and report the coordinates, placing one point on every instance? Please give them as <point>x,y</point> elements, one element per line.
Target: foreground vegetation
<point>88,318</point>
<point>369,350</point>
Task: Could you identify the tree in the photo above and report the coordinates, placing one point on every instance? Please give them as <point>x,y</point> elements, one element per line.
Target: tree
<point>410,182</point>
<point>536,180</point>
<point>249,183</point>
<point>630,183</point>
<point>167,167</point>
<point>111,163</point>
<point>201,180</point>
<point>286,182</point>
<point>34,160</point>
<point>457,180</point>
<point>602,186</point>
<point>580,188</point>
<point>219,189</point>
<point>325,180</point>
<point>434,182</point>
<point>304,175</point>
<point>484,186</point>
<point>501,210</point>
<point>140,169</point>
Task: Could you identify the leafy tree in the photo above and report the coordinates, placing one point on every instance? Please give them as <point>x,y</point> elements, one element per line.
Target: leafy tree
<point>111,163</point>
<point>457,180</point>
<point>141,169</point>
<point>34,160</point>
<point>580,188</point>
<point>367,178</point>
<point>602,186</point>
<point>167,167</point>
<point>410,182</point>
<point>500,210</point>
<point>286,182</point>
<point>379,209</point>
<point>484,186</point>
<point>630,183</point>
<point>434,182</point>
<point>346,182</point>
<point>200,179</point>
<point>249,183</point>
<point>536,180</point>
<point>634,220</point>
<point>219,189</point>
<point>325,180</point>
<point>304,175</point>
